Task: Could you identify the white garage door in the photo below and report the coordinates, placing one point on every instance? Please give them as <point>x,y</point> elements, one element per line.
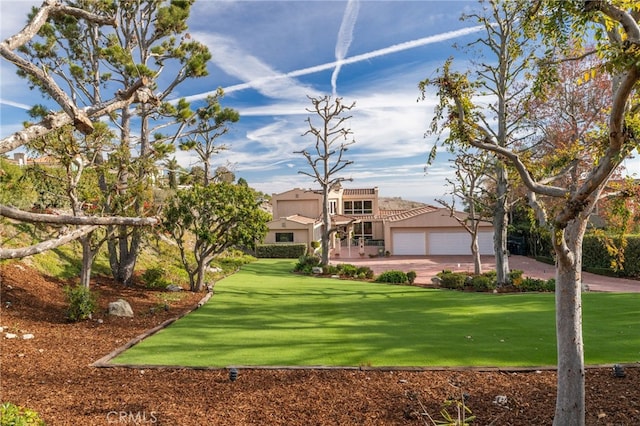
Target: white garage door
<point>458,243</point>
<point>409,243</point>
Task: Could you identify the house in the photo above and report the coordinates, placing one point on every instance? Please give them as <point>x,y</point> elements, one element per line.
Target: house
<point>362,227</point>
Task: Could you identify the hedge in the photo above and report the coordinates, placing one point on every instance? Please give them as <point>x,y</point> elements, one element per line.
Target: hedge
<point>596,259</point>
<point>281,251</point>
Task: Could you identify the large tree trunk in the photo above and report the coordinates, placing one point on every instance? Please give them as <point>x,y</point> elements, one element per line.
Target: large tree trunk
<point>570,401</point>
<point>500,222</point>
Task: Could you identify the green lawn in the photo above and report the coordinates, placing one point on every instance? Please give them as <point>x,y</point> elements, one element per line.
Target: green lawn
<point>266,316</point>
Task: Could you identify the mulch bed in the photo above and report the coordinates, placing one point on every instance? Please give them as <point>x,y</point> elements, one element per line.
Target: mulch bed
<point>52,373</point>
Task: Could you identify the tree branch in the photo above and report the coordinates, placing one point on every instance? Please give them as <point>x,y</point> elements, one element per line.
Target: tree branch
<point>17,214</point>
<point>46,245</point>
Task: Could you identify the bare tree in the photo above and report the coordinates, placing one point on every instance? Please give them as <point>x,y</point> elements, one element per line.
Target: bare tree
<point>327,158</point>
<point>471,173</point>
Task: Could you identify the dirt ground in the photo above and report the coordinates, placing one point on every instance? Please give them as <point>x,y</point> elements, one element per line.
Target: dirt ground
<point>52,374</point>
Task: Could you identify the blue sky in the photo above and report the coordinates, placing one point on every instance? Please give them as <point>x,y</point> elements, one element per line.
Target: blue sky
<point>269,55</point>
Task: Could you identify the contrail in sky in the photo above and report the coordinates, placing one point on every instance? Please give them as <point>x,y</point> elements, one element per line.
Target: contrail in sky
<point>358,58</point>
<point>345,36</point>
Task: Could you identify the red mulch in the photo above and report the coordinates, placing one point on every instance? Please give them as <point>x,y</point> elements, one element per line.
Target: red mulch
<point>52,374</point>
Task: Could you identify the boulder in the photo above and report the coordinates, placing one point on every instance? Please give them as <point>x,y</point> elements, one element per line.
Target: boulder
<point>317,270</point>
<point>173,287</point>
<point>120,308</point>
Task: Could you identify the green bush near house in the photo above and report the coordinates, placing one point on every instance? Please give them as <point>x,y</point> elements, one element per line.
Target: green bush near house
<point>452,280</point>
<point>393,277</point>
<point>280,251</point>
<point>483,283</point>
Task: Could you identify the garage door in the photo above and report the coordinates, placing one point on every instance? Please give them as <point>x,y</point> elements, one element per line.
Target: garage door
<point>458,243</point>
<point>409,243</point>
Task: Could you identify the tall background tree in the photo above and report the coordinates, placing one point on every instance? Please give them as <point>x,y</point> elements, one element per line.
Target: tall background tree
<point>563,24</point>
<point>508,56</point>
<point>208,123</point>
<point>327,158</point>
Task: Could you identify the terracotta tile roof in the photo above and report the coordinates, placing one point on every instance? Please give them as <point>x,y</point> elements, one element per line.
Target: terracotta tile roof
<point>340,219</point>
<point>362,191</point>
<point>406,214</point>
<point>388,212</point>
<point>301,219</point>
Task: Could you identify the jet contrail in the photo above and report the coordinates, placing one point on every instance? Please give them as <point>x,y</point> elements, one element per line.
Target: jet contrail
<point>15,104</point>
<point>345,36</point>
<point>358,58</point>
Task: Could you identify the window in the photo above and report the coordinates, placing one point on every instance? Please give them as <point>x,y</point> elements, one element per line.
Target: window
<point>333,207</point>
<point>358,207</point>
<point>284,237</point>
<point>363,229</point>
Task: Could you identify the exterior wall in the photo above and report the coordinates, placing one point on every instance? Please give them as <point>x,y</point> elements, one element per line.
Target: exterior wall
<point>302,232</point>
<point>297,201</point>
<point>308,208</point>
<point>378,230</point>
<point>299,236</point>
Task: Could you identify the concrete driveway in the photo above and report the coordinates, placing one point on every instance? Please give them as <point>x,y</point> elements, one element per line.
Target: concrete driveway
<point>427,267</point>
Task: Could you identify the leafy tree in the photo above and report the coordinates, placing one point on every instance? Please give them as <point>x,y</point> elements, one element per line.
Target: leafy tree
<point>173,168</point>
<point>500,77</point>
<point>327,158</point>
<point>210,121</point>
<point>615,25</point>
<point>148,36</point>
<point>75,154</point>
<point>16,50</point>
<point>217,217</point>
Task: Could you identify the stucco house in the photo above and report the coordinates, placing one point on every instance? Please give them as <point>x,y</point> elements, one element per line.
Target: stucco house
<point>364,227</point>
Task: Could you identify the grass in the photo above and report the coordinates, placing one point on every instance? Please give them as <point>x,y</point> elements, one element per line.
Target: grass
<point>266,316</point>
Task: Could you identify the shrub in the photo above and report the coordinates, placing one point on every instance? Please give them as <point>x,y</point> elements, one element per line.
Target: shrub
<point>535,284</point>
<point>306,263</point>
<point>453,280</point>
<point>330,270</point>
<point>82,302</point>
<point>483,283</point>
<point>155,278</point>
<point>11,414</point>
<point>550,285</point>
<point>281,250</point>
<point>411,276</point>
<point>393,277</point>
<point>532,284</point>
<point>347,270</point>
<point>365,272</point>
<point>515,277</point>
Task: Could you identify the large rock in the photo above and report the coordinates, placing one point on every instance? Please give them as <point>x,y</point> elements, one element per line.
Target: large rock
<point>120,308</point>
<point>173,287</point>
